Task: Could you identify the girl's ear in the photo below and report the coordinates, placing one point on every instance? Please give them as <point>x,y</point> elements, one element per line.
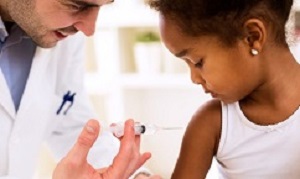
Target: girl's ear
<point>256,34</point>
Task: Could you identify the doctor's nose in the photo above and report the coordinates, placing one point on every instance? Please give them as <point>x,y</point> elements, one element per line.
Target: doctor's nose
<point>87,22</point>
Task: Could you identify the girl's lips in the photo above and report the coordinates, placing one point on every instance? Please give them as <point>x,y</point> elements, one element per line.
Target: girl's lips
<point>214,95</point>
<point>206,91</point>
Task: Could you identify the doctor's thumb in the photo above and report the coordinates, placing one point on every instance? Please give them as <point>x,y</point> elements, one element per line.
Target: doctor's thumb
<point>85,141</point>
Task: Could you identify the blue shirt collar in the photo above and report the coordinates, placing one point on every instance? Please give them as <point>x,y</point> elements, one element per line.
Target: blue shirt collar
<point>3,32</point>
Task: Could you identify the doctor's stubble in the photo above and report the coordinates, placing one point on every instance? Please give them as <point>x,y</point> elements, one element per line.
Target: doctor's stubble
<point>23,13</point>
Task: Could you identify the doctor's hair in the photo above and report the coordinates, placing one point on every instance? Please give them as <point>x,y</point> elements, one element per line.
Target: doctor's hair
<point>225,18</point>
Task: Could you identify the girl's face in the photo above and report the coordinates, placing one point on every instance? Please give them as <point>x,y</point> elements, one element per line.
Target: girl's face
<point>228,74</point>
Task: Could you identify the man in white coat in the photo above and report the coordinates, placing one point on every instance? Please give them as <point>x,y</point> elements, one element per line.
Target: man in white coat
<point>42,96</point>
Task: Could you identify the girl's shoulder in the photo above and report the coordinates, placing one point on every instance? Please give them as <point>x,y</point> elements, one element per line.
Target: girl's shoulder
<point>207,121</point>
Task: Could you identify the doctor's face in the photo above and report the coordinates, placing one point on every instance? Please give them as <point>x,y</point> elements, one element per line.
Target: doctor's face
<point>49,21</point>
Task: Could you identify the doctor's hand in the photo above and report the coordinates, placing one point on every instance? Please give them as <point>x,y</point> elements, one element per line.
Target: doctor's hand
<point>129,158</point>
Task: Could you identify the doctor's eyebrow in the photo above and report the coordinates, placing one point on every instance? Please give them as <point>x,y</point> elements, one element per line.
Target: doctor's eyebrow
<point>84,3</point>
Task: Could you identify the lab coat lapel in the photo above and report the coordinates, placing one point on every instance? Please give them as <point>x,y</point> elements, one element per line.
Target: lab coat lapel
<point>33,89</point>
<point>5,97</point>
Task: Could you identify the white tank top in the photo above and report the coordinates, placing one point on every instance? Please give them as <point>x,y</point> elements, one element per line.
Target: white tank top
<point>250,151</point>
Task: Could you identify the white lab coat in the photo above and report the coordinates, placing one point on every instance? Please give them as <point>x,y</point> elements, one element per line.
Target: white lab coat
<point>54,71</point>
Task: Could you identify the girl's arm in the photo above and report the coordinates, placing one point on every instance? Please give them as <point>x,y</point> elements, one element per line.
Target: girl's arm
<point>200,142</point>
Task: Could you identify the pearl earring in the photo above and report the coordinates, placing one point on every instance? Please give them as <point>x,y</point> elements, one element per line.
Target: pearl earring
<point>254,52</point>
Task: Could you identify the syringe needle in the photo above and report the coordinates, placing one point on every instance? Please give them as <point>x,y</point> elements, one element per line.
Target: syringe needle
<point>171,128</point>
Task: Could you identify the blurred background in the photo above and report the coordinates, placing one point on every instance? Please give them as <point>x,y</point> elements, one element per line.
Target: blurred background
<point>130,74</point>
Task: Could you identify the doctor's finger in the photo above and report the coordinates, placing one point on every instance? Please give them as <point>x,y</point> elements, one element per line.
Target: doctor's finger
<point>138,158</point>
<point>121,164</point>
<point>130,144</point>
<point>85,141</point>
<point>137,142</point>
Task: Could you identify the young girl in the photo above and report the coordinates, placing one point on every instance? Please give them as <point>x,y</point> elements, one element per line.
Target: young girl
<point>236,50</point>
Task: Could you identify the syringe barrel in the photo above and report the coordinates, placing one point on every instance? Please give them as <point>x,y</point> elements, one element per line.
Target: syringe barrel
<point>118,129</point>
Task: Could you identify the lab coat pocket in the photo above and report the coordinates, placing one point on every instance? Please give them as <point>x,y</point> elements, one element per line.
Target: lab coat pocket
<point>54,119</point>
<point>57,106</point>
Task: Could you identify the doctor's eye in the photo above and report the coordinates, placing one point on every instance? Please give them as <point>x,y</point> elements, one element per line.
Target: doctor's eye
<point>78,8</point>
<point>199,64</point>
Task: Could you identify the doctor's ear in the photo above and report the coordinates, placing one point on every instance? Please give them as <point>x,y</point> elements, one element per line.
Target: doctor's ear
<point>255,34</point>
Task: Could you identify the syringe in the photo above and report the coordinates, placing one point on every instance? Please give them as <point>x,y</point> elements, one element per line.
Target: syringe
<point>139,128</point>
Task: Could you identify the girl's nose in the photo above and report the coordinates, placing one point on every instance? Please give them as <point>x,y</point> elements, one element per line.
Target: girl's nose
<point>197,78</point>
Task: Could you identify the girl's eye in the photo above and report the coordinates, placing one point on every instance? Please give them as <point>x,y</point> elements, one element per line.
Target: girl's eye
<point>199,64</point>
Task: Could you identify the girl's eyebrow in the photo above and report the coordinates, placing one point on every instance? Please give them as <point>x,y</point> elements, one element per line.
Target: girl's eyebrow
<point>182,53</point>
